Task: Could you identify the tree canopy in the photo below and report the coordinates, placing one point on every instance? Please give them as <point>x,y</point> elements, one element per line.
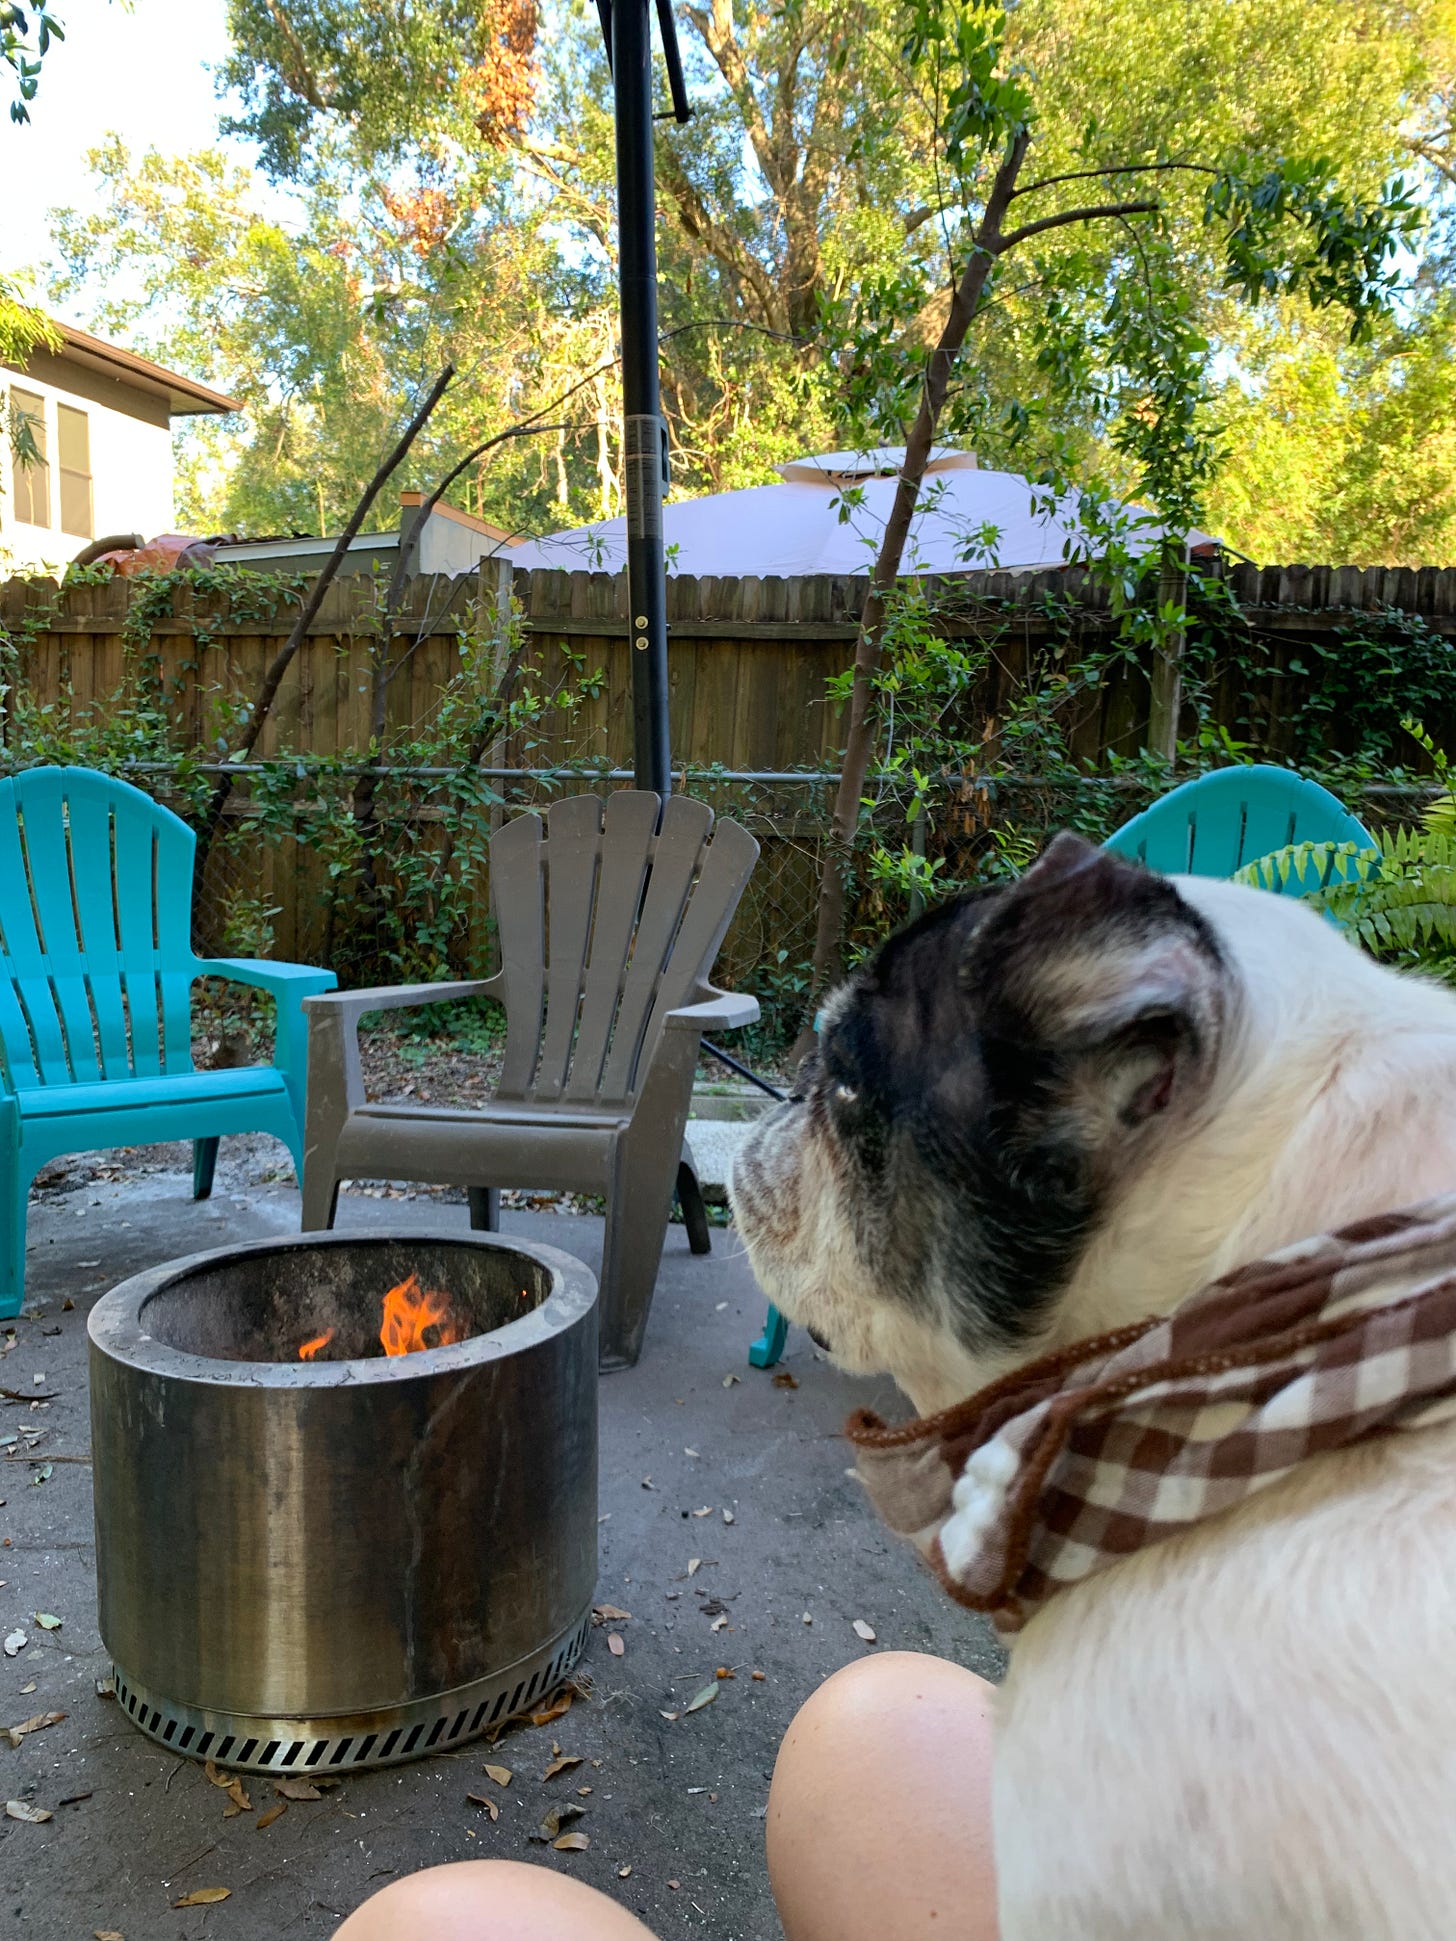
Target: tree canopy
<point>435,179</point>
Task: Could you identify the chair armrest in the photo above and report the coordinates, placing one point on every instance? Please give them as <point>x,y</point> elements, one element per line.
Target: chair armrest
<point>723,1011</point>
<point>350,1006</point>
<point>279,980</point>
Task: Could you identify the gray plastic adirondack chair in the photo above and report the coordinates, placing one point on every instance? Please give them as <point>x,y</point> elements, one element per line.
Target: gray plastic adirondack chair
<point>609,926</point>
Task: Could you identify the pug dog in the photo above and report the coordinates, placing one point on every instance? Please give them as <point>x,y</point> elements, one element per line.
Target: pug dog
<point>1050,1109</point>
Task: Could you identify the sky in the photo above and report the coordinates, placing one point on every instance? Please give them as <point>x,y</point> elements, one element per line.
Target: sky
<point>140,71</point>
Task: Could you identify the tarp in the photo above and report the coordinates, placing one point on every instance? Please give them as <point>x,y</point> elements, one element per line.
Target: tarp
<point>966,518</point>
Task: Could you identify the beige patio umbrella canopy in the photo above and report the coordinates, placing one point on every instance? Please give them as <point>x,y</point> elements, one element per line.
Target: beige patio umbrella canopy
<point>967,517</point>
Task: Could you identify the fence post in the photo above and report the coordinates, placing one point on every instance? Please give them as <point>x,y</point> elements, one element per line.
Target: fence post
<point>1166,697</point>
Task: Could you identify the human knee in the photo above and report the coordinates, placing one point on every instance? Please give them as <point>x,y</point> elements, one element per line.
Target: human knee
<point>893,1698</point>
<point>490,1900</point>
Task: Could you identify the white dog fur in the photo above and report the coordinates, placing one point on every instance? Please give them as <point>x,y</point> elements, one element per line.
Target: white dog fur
<point>1247,1733</point>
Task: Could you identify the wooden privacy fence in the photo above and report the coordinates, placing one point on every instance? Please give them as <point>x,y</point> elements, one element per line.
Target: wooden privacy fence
<point>748,663</point>
<point>748,658</point>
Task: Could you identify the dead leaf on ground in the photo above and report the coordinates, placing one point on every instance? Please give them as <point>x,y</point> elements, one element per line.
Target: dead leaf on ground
<point>758,1676</point>
<point>563,1764</point>
<point>557,1709</point>
<point>610,1614</point>
<point>728,1516</point>
<point>107,1934</point>
<point>865,1631</point>
<point>17,1809</point>
<point>695,1564</point>
<point>707,1510</point>
<point>106,1687</point>
<point>502,1775</point>
<point>238,1801</point>
<point>624,1873</point>
<point>15,1641</point>
<point>615,1644</point>
<point>44,1473</point>
<point>46,1621</point>
<point>15,1733</point>
<point>718,1622</point>
<point>204,1897</point>
<point>274,1812</point>
<point>572,1843</point>
<point>296,1789</point>
<point>484,1799</point>
<point>559,1817</point>
<point>730,1380</point>
<point>784,1379</point>
<point>724,1672</point>
<point>704,1697</point>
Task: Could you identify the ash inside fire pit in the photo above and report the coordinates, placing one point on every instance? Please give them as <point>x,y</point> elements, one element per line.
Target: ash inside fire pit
<point>272,1306</point>
<point>358,1555</point>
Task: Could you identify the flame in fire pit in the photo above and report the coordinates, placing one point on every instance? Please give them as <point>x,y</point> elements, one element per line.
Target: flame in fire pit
<point>410,1312</point>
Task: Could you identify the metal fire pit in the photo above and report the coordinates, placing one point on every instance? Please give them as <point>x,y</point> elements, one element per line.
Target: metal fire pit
<point>319,1566</point>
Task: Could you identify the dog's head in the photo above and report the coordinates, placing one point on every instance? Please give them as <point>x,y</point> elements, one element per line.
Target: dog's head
<point>982,1091</point>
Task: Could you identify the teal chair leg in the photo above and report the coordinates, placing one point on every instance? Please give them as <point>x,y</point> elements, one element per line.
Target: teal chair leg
<point>204,1165</point>
<point>770,1344</point>
<point>16,1194</point>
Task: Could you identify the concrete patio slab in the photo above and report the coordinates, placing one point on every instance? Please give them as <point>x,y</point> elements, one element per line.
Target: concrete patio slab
<point>679,1802</point>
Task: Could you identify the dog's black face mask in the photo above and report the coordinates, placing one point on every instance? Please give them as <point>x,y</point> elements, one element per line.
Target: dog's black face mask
<point>979,1090</point>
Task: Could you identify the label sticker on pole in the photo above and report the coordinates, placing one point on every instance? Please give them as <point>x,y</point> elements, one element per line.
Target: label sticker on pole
<point>644,457</point>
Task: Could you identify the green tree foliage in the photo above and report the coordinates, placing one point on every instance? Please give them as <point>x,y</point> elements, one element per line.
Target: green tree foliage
<point>453,164</point>
<point>27,35</point>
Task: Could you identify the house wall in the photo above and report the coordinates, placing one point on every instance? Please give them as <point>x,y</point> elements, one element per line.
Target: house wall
<point>131,461</point>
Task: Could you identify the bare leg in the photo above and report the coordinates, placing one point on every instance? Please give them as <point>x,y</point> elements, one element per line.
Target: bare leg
<point>879,1818</point>
<point>490,1900</point>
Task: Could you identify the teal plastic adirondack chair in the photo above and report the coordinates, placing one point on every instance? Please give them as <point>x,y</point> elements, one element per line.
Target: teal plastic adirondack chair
<point>1211,826</point>
<point>1217,823</point>
<point>96,975</point>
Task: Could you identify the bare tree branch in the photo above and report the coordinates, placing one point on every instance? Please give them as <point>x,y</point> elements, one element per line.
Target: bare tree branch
<point>1095,213</point>
<point>308,612</point>
<point>1120,168</point>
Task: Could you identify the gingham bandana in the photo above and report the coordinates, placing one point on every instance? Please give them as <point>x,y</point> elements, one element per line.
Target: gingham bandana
<point>1072,1463</point>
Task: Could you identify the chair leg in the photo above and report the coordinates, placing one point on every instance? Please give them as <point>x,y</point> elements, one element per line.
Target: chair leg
<point>484,1208</point>
<point>769,1346</point>
<point>12,1243</point>
<point>695,1214</point>
<point>204,1166</point>
<point>638,1204</point>
<point>320,1198</point>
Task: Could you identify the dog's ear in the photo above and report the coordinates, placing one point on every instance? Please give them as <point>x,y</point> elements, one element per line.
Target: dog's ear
<point>1097,989</point>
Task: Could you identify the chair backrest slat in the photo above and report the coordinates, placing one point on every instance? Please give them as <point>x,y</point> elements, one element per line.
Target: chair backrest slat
<point>630,825</point>
<point>94,885</point>
<point>675,858</point>
<point>45,837</point>
<point>35,1046</point>
<point>518,897</point>
<point>95,900</point>
<point>573,853</point>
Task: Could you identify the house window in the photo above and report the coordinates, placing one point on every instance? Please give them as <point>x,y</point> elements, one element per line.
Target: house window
<point>73,448</point>
<point>32,476</point>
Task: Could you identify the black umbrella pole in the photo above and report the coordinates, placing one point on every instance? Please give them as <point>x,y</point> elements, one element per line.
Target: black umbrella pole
<point>637,249</point>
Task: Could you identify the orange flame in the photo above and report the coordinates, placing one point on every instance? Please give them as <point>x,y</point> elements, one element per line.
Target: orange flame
<point>311,1348</point>
<point>409,1312</point>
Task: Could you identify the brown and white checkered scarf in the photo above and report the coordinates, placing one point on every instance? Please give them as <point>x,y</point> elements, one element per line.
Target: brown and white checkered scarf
<point>1077,1460</point>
